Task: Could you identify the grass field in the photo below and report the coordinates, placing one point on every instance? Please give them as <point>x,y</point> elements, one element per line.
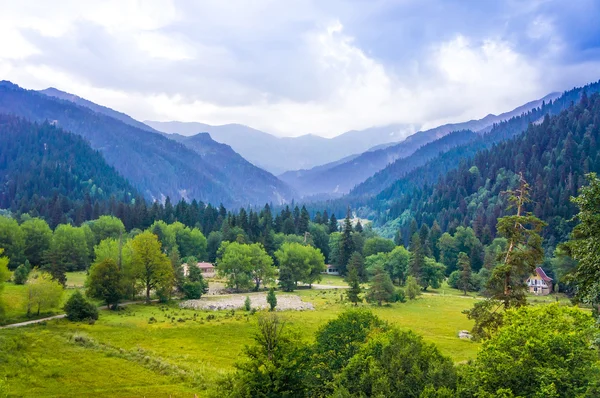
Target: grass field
<point>14,298</point>
<point>164,350</point>
<point>123,354</point>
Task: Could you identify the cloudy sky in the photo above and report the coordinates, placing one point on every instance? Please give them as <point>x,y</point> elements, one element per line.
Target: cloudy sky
<point>293,67</point>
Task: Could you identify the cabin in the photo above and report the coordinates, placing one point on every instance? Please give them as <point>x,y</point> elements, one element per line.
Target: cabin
<point>539,283</point>
<point>331,270</point>
<point>207,269</point>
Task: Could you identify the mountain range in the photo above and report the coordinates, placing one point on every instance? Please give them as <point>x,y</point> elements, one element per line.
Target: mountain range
<point>157,166</point>
<point>338,178</point>
<point>280,154</point>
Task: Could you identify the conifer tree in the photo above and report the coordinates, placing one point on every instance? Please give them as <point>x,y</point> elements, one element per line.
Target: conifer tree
<point>464,265</point>
<point>381,288</point>
<point>354,289</point>
<point>346,245</point>
<point>333,224</point>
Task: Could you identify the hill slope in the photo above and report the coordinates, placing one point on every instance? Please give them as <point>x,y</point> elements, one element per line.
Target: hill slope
<point>241,173</point>
<point>341,178</point>
<point>279,154</point>
<point>45,170</point>
<point>553,154</point>
<point>157,166</point>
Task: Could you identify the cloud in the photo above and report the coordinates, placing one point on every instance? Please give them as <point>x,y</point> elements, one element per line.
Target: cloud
<point>301,66</point>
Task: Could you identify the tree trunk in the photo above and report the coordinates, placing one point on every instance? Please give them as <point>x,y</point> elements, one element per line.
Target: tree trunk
<point>147,294</point>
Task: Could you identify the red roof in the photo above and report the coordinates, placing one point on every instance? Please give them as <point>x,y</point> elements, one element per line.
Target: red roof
<point>542,274</point>
<point>205,265</point>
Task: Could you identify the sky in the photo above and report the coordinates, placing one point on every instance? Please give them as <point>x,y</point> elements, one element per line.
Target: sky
<point>293,67</point>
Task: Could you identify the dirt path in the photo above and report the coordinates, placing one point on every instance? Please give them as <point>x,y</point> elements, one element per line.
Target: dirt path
<point>60,316</point>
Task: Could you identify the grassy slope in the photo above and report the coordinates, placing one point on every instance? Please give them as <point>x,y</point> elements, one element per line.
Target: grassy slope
<point>125,355</point>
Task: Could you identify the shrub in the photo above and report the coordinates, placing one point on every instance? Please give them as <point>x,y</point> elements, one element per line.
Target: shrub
<point>247,304</point>
<point>79,309</point>
<point>272,299</point>
<point>399,296</point>
<point>21,274</point>
<point>193,290</point>
<point>412,288</point>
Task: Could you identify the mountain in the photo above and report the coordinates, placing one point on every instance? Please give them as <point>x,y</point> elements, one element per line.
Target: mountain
<point>339,178</point>
<point>53,92</point>
<point>241,173</point>
<point>553,154</point>
<point>45,170</point>
<point>279,154</point>
<point>157,166</point>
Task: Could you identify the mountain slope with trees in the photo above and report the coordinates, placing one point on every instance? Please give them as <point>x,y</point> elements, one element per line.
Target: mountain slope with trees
<point>339,179</point>
<point>156,166</point>
<point>553,155</point>
<point>54,174</point>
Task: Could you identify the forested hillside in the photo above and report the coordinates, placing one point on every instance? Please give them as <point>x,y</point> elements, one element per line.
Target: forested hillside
<point>156,166</point>
<point>339,178</point>
<point>54,174</point>
<point>245,176</point>
<point>553,156</point>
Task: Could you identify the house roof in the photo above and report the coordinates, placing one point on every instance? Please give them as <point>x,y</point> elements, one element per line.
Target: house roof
<point>205,265</point>
<point>542,274</point>
<point>330,266</point>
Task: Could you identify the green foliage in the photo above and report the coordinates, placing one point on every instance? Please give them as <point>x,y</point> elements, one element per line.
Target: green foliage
<point>357,264</point>
<point>151,267</point>
<point>12,241</point>
<point>413,290</point>
<point>37,239</point>
<point>540,351</point>
<point>377,245</point>
<point>272,299</point>
<point>78,308</point>
<point>488,317</point>
<point>381,288</point>
<point>354,289</point>
<point>68,252</point>
<point>193,290</point>
<point>335,344</point>
<point>4,275</point>
<point>584,244</point>
<point>274,366</point>
<point>346,245</point>
<point>245,266</point>
<point>432,274</point>
<point>465,277</point>
<point>247,304</point>
<point>107,227</point>
<point>396,364</point>
<point>42,292</point>
<point>212,245</point>
<point>298,263</point>
<point>21,273</point>
<point>105,282</point>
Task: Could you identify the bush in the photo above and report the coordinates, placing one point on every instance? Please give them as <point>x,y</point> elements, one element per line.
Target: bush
<point>193,290</point>
<point>247,304</point>
<point>399,296</point>
<point>21,274</point>
<point>79,309</point>
<point>453,279</point>
<point>272,299</point>
<point>412,288</point>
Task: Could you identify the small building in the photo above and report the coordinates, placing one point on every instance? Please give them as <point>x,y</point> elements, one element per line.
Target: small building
<point>540,283</point>
<point>331,270</point>
<point>207,269</point>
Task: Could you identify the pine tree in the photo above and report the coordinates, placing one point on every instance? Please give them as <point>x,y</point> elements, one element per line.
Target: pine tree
<point>358,228</point>
<point>398,239</point>
<point>357,263</point>
<point>417,259</point>
<point>381,288</point>
<point>523,253</point>
<point>354,290</point>
<point>346,245</point>
<point>464,265</point>
<point>272,299</point>
<point>333,224</point>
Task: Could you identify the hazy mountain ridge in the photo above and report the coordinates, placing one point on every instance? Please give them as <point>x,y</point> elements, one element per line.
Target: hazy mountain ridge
<point>156,165</point>
<point>280,154</point>
<point>340,178</point>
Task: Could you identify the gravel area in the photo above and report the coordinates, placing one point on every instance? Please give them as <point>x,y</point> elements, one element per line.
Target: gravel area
<point>284,302</point>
